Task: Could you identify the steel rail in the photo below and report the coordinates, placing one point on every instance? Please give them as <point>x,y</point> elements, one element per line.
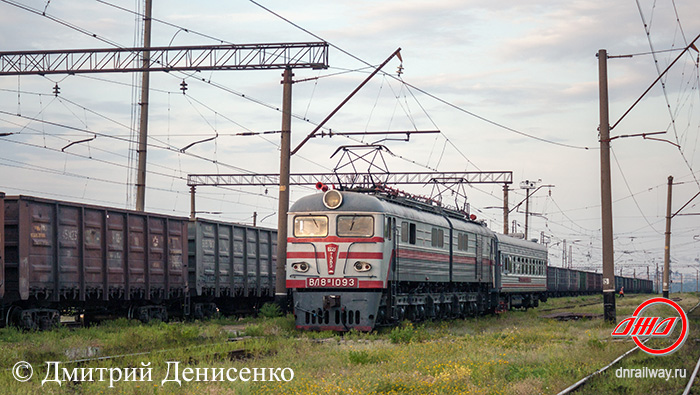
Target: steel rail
<point>584,380</point>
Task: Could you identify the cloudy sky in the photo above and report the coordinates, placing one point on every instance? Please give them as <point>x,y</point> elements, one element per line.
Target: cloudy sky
<point>511,85</point>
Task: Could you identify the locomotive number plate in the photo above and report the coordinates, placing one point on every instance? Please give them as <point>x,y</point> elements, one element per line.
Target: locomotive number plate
<point>324,282</point>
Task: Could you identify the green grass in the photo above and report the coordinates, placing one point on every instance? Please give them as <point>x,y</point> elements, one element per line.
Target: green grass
<point>514,353</point>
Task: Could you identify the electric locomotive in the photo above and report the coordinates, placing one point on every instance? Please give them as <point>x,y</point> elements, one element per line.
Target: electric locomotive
<point>358,260</point>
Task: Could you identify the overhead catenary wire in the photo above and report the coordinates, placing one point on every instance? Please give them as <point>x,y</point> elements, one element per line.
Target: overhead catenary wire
<point>115,44</point>
<point>83,31</point>
<point>450,142</point>
<point>647,29</point>
<point>435,97</point>
<point>636,203</point>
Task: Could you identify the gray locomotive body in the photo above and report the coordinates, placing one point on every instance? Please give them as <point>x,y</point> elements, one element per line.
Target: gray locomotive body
<point>365,260</point>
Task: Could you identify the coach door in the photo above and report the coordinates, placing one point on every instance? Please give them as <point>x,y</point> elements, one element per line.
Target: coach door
<point>479,272</point>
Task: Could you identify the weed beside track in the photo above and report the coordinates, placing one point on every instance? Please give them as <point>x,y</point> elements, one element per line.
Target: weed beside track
<point>518,352</point>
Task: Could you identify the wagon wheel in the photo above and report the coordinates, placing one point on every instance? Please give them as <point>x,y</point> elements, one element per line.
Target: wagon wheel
<point>11,317</point>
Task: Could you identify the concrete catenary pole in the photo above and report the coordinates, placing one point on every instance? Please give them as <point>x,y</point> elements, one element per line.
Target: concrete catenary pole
<point>606,192</point>
<point>283,207</point>
<point>143,124</point>
<point>193,212</point>
<point>667,246</point>
<point>563,254</point>
<point>505,209</point>
<point>656,277</point>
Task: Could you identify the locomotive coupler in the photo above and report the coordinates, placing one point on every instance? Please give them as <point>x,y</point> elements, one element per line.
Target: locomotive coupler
<point>330,301</point>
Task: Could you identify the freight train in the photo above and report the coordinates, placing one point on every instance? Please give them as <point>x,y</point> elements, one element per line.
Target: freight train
<point>362,260</point>
<point>59,258</point>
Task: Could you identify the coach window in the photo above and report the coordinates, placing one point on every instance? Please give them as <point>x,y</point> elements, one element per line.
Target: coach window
<point>311,226</point>
<point>355,226</point>
<point>412,234</point>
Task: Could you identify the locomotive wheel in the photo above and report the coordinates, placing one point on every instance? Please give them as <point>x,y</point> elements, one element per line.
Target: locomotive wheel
<point>381,315</point>
<point>438,311</point>
<point>401,313</point>
<point>420,312</point>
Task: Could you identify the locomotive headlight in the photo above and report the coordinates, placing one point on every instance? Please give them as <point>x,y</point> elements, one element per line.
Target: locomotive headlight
<point>361,266</point>
<point>332,199</point>
<point>302,267</point>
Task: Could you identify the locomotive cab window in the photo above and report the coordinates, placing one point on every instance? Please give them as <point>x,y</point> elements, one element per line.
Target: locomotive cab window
<point>311,226</point>
<point>355,226</point>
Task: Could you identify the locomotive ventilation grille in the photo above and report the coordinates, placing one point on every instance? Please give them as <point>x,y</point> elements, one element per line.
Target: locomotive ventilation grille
<point>345,317</point>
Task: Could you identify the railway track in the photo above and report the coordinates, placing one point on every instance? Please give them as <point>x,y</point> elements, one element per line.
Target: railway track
<point>571,306</point>
<point>694,375</point>
<point>581,383</point>
<point>235,354</point>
